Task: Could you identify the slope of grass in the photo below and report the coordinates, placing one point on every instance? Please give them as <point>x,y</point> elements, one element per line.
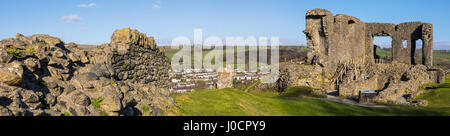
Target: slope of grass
<point>233,102</point>
<point>383,53</point>
<point>441,57</point>
<point>300,91</point>
<point>86,47</point>
<point>439,96</point>
<point>251,86</point>
<point>286,52</point>
<point>170,52</point>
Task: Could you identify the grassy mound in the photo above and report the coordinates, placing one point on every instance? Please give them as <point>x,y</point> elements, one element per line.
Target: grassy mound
<point>233,102</point>
<point>438,96</point>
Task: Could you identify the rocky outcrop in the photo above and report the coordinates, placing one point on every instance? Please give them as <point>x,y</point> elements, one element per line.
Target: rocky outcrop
<point>394,82</point>
<point>41,75</point>
<point>298,74</point>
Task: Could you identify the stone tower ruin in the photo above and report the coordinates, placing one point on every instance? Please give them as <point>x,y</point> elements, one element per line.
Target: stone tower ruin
<point>333,39</point>
<point>343,57</point>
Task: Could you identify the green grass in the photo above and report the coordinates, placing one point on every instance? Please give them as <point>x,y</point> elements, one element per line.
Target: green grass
<point>67,114</point>
<point>234,102</point>
<point>300,91</point>
<point>439,96</point>
<point>97,101</point>
<point>441,57</point>
<point>44,103</point>
<point>251,86</point>
<point>103,113</point>
<point>145,108</point>
<point>43,83</point>
<point>13,51</point>
<point>170,52</point>
<point>126,65</point>
<point>383,53</point>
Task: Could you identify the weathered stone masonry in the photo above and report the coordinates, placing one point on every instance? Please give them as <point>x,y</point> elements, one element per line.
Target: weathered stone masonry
<point>410,32</point>
<point>41,75</point>
<point>342,55</point>
<point>349,38</point>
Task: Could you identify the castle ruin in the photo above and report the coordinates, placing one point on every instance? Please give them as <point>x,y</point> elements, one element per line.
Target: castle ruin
<point>333,39</point>
<point>342,56</point>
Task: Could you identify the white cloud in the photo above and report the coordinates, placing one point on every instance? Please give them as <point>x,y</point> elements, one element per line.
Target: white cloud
<point>90,5</point>
<point>157,4</point>
<point>71,18</point>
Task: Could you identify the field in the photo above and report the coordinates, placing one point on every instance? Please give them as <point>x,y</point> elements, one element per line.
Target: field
<point>440,57</point>
<point>286,53</point>
<point>86,47</point>
<point>235,102</point>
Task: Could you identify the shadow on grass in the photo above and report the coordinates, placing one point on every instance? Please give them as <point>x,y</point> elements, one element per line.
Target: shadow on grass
<point>315,107</point>
<point>233,102</point>
<point>300,91</point>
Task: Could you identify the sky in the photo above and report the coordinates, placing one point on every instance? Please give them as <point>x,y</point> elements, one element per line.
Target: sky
<point>94,21</point>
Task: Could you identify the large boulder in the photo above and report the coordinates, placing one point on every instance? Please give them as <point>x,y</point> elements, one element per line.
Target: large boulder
<point>5,112</point>
<point>4,56</point>
<point>11,73</point>
<point>15,101</point>
<point>81,99</point>
<point>111,103</point>
<point>50,40</point>
<point>129,36</point>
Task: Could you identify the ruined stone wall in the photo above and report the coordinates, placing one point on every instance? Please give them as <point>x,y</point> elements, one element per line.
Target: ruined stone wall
<point>343,47</point>
<point>409,32</point>
<point>377,29</point>
<point>41,75</point>
<point>334,39</point>
<point>348,40</point>
<point>133,56</point>
<point>318,29</point>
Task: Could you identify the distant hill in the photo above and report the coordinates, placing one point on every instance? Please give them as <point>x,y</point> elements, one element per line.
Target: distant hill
<point>287,53</point>
<point>440,57</point>
<point>86,47</point>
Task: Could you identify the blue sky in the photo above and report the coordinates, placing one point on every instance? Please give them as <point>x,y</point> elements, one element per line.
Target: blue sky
<point>93,21</point>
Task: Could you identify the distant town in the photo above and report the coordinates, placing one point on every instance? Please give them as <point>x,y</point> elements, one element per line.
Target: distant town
<point>189,80</point>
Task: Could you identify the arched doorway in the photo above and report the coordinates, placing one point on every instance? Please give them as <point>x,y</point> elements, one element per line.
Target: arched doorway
<point>417,52</point>
<point>382,49</point>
